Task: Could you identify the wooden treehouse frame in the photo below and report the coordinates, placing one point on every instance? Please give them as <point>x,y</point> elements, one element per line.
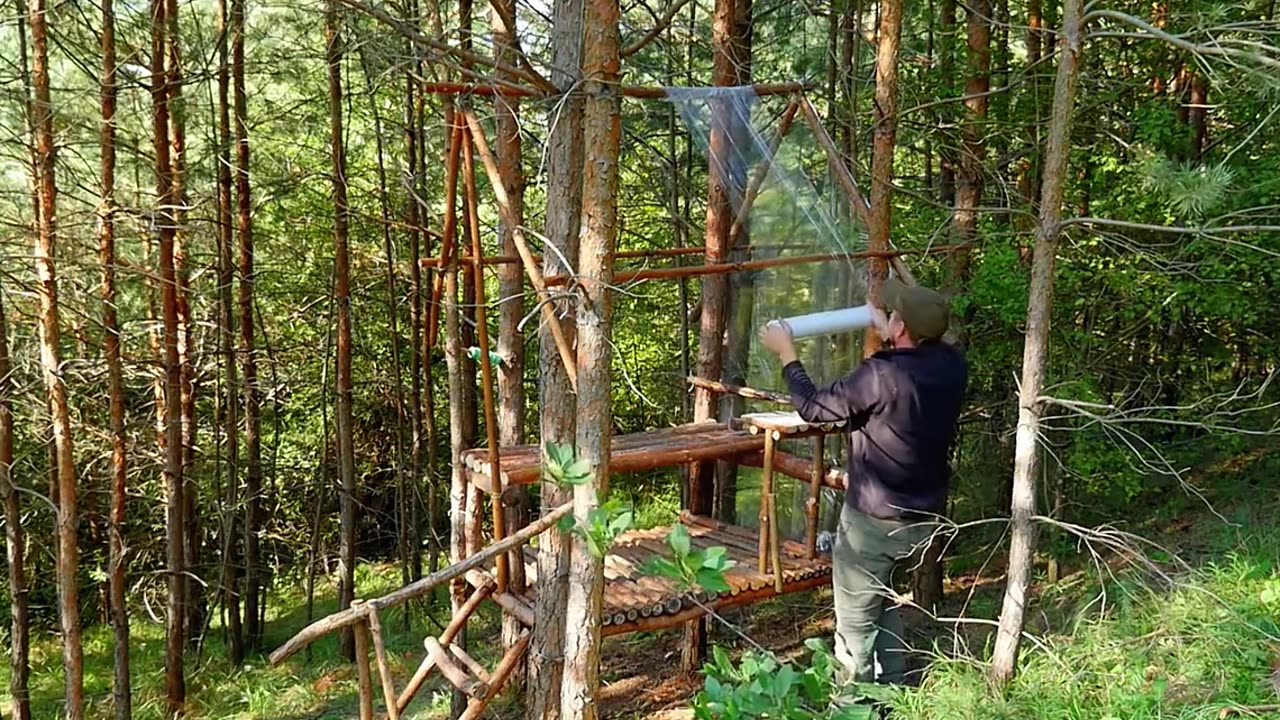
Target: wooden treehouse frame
<point>766,566</point>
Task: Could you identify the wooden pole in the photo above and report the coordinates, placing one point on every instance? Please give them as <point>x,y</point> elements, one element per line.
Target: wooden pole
<point>631,91</point>
<point>345,618</point>
<point>450,229</point>
<point>567,355</point>
<point>746,392</point>
<point>748,265</point>
<point>500,676</point>
<point>363,675</point>
<point>775,546</point>
<point>811,506</point>
<point>482,335</point>
<point>766,491</point>
<point>446,638</point>
<point>384,671</point>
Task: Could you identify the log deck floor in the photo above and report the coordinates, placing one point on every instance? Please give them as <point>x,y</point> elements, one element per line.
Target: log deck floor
<point>635,601</point>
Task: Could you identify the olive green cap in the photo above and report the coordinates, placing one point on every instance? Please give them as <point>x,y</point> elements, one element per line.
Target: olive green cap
<point>925,312</point>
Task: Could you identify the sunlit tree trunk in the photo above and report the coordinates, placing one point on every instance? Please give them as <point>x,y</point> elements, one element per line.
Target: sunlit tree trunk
<point>511,402</point>
<point>715,290</point>
<point>601,137</point>
<point>415,214</point>
<point>1027,458</point>
<point>883,146</point>
<point>119,609</point>
<point>68,555</point>
<point>226,341</point>
<point>166,220</point>
<point>342,274</point>
<point>557,404</point>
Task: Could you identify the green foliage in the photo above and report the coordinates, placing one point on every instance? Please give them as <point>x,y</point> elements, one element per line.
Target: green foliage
<point>689,567</point>
<point>602,525</point>
<point>563,467</point>
<point>762,686</point>
<point>1189,190</point>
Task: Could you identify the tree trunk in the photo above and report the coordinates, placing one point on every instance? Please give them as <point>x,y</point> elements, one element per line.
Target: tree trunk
<point>68,556</point>
<point>412,181</point>
<point>741,300</point>
<point>19,603</point>
<point>1039,311</point>
<point>947,160</point>
<point>193,593</point>
<point>119,609</point>
<point>1197,114</point>
<point>969,184</point>
<point>715,292</point>
<point>884,145</point>
<point>226,332</point>
<point>252,396</point>
<point>511,401</point>
<point>342,282</point>
<point>601,137</point>
<point>1029,177</point>
<point>557,404</point>
<point>175,509</point>
<point>461,431</point>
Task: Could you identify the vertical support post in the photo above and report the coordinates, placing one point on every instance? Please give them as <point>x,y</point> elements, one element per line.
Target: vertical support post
<point>766,495</point>
<point>363,674</point>
<point>384,671</point>
<point>775,547</point>
<point>482,339</point>
<point>811,507</point>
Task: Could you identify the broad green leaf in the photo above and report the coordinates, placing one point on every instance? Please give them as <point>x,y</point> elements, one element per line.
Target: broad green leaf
<point>712,581</point>
<point>678,539</point>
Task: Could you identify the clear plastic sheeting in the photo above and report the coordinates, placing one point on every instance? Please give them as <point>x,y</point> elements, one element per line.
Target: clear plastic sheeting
<point>797,211</point>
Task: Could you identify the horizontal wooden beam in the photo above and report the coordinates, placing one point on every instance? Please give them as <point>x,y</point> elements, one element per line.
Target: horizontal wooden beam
<point>750,265</point>
<point>663,622</point>
<point>631,91</point>
<point>746,392</point>
<point>797,467</point>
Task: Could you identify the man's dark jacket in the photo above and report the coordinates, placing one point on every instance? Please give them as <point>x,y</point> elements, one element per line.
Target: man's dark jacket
<point>902,406</point>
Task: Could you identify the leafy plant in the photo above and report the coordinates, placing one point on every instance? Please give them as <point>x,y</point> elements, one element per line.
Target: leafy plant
<point>602,527</point>
<point>761,686</point>
<point>563,467</point>
<point>689,567</point>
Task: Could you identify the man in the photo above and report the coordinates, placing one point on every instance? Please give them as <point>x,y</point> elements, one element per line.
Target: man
<point>901,405</point>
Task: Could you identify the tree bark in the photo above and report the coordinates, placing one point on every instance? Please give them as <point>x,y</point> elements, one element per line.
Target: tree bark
<point>883,147</point>
<point>1035,350</point>
<point>226,332</point>
<point>415,216</point>
<point>193,593</point>
<point>557,403</point>
<point>249,354</point>
<point>1029,177</point>
<point>1197,114</point>
<point>741,298</point>
<point>511,400</point>
<point>122,694</point>
<point>19,603</point>
<point>601,137</point>
<point>342,281</point>
<point>969,184</point>
<point>68,555</point>
<point>175,509</point>
<point>700,497</point>
<point>947,160</point>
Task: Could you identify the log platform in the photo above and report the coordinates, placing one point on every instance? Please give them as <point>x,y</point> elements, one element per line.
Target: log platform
<point>633,452</point>
<point>635,602</point>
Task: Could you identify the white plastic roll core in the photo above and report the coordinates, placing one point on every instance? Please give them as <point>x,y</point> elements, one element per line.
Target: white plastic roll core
<point>826,323</point>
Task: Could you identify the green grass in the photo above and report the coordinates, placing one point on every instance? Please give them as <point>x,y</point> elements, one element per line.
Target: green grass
<point>1189,651</point>
<point>320,686</point>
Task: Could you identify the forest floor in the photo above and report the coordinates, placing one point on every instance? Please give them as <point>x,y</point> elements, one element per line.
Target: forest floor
<point>1192,631</point>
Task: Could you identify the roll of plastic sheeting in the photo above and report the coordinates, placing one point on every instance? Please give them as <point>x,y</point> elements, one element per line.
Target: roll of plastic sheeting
<point>831,321</point>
